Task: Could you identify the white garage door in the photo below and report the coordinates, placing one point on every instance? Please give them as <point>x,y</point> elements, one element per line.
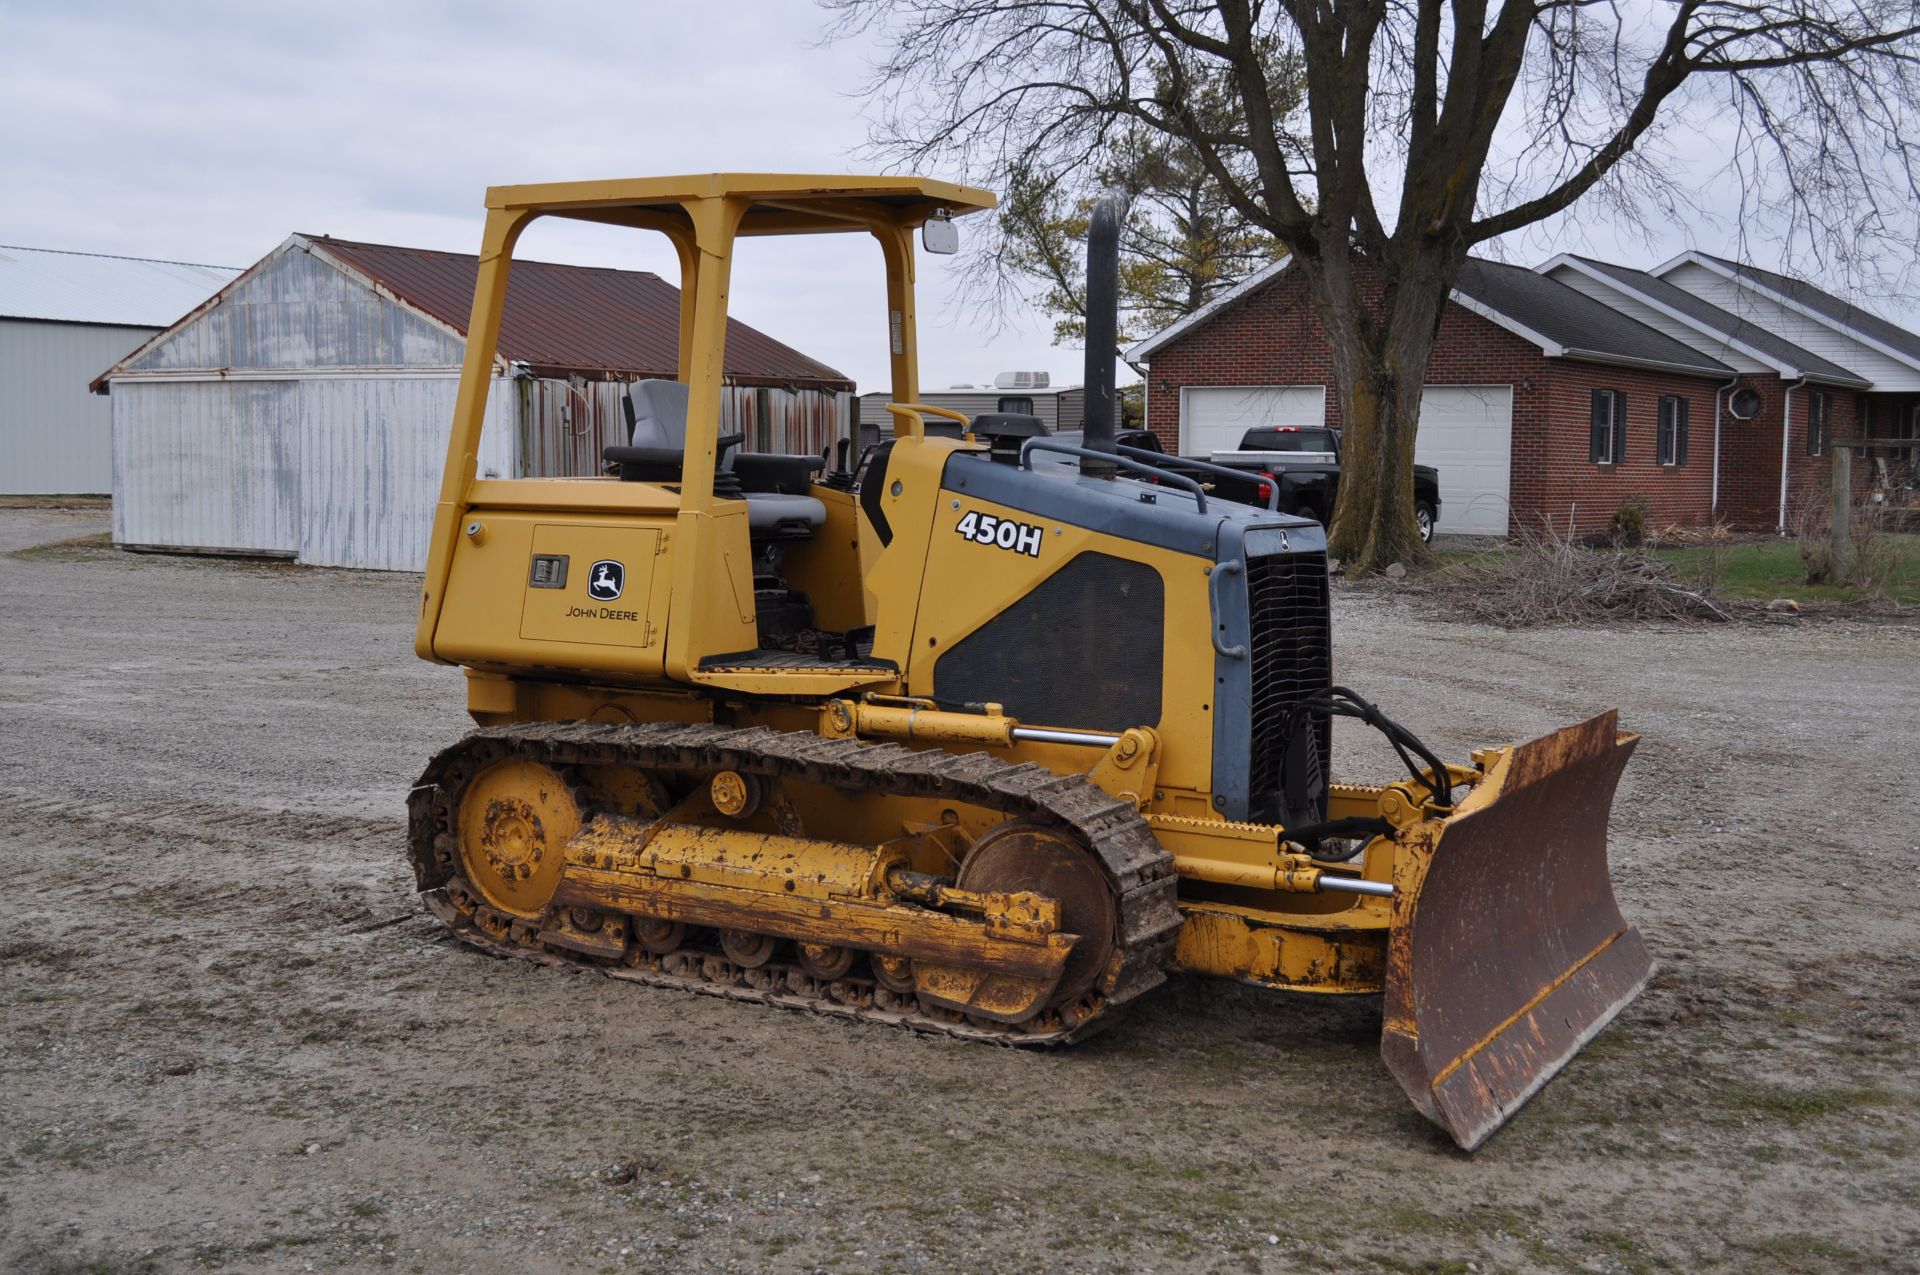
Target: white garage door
<point>1466,432</point>
<point>1213,417</point>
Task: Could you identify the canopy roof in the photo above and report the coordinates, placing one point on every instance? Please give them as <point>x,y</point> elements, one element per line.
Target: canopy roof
<point>780,203</point>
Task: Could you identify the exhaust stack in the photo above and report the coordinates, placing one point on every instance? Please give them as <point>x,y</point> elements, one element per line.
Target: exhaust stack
<point>1103,322</point>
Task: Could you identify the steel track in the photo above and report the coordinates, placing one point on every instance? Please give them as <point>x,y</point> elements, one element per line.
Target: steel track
<point>1139,870</point>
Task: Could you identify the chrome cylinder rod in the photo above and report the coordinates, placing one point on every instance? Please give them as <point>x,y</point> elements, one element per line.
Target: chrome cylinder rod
<point>1041,735</point>
<point>1355,885</point>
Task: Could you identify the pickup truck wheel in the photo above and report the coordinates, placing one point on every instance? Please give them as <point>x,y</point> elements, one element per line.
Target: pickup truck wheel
<point>1423,519</point>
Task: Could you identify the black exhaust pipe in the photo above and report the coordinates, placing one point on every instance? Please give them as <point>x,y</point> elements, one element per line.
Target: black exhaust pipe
<point>1103,323</point>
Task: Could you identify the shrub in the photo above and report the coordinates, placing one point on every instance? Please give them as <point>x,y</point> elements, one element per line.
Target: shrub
<point>1628,527</point>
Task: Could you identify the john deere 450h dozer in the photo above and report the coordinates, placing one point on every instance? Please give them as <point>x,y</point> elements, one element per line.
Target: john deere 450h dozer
<point>983,739</point>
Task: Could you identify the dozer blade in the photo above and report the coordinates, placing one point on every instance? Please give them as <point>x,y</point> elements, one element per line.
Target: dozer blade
<point>1508,952</point>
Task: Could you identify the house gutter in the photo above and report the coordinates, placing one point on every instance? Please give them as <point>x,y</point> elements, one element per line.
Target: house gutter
<point>1713,502</point>
<point>1786,435</point>
<point>1627,360</point>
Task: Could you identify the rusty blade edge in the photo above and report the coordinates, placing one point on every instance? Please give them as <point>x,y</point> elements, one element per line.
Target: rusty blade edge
<point>1470,1139</point>
<point>1468,1053</point>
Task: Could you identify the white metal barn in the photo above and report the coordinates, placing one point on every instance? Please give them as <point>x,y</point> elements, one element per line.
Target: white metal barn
<point>63,317</point>
<point>303,411</point>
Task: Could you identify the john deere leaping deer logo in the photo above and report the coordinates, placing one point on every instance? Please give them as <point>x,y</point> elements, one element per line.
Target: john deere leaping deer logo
<point>605,579</point>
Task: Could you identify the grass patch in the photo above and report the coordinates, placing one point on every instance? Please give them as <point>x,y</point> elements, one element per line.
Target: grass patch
<point>78,547</point>
<point>1762,570</point>
<point>1748,571</point>
<point>1797,1252</point>
<point>87,504</point>
<point>1800,1106</point>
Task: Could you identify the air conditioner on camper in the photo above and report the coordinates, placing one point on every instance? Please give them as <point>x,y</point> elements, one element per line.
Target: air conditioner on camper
<point>1021,381</point>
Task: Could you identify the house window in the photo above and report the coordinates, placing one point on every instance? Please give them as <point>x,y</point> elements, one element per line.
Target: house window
<point>1819,421</point>
<point>1017,406</point>
<point>1672,442</point>
<point>1608,443</point>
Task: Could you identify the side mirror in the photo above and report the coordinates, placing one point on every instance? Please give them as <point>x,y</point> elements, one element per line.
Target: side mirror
<point>939,235</point>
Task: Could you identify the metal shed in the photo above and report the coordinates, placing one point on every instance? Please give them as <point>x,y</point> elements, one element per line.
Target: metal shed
<point>302,412</point>
<point>63,317</point>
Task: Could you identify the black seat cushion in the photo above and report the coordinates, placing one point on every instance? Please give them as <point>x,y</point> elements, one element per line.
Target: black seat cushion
<point>646,464</point>
<point>664,464</point>
<point>773,473</point>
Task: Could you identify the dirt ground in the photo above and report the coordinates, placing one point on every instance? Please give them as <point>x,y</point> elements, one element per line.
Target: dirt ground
<point>231,1041</point>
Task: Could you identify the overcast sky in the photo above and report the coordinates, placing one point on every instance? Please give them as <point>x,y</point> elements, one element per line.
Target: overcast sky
<point>207,130</point>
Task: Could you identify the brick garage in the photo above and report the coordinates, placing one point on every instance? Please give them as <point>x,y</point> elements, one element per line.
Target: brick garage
<point>1551,346</point>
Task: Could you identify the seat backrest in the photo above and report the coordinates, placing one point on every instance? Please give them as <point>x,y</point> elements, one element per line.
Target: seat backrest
<point>659,410</point>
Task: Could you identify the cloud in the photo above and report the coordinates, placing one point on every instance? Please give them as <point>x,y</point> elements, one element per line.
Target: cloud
<point>208,132</point>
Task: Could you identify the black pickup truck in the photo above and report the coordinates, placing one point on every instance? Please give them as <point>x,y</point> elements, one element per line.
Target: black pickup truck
<point>1304,462</point>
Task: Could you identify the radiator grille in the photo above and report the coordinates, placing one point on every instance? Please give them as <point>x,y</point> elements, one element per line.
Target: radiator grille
<point>1291,646</point>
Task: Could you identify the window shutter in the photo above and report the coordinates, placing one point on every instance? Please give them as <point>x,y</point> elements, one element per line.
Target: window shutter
<point>1680,454</point>
<point>1602,418</point>
<point>1619,428</point>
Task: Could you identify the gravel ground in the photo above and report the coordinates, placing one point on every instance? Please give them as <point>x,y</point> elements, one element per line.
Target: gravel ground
<point>229,1039</point>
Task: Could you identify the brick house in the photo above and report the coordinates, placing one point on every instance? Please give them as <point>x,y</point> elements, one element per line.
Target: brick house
<point>1560,394</point>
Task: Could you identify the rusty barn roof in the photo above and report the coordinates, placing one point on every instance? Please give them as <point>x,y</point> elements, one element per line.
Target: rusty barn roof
<point>575,319</point>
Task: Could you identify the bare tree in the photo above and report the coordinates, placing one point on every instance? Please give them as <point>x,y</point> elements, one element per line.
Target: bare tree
<point>1183,244</point>
<point>1426,129</point>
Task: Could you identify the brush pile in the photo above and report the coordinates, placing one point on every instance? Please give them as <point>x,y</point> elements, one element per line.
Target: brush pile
<point>1547,579</point>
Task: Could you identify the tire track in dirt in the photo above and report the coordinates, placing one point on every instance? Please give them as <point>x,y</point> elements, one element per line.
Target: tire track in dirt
<point>210,821</point>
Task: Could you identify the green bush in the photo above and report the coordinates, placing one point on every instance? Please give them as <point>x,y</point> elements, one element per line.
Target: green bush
<point>1628,527</point>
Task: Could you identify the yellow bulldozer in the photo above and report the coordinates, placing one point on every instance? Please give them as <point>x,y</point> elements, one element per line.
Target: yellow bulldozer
<point>982,735</point>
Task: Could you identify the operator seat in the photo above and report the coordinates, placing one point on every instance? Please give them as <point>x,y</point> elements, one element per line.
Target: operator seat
<point>774,486</point>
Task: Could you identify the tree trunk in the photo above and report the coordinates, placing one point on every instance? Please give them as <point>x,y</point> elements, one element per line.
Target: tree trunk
<point>1382,340</point>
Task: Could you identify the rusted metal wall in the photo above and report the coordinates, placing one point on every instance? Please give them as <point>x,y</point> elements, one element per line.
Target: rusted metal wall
<point>564,424</point>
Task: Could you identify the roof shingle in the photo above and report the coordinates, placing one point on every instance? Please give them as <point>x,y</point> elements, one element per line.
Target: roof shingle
<point>1727,324</point>
<point>1575,321</point>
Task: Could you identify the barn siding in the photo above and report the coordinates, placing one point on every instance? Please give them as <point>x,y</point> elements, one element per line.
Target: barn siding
<point>339,463</point>
<point>370,464</point>
<point>207,465</point>
<point>299,313</point>
<point>54,436</point>
<point>333,471</point>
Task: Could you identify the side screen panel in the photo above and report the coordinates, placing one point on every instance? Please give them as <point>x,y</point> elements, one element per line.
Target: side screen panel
<point>1084,648</point>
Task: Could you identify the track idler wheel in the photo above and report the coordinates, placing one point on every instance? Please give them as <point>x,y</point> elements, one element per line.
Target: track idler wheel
<point>1023,856</point>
